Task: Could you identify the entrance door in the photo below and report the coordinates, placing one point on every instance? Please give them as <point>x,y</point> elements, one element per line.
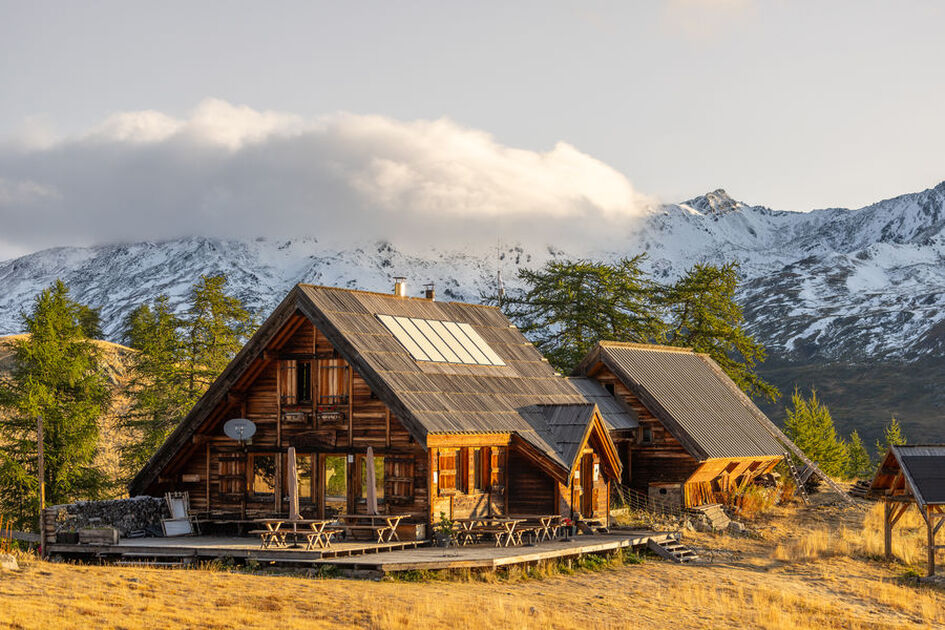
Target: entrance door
<point>587,485</point>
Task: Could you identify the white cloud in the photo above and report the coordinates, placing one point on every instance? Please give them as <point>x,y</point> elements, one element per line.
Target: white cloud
<point>233,171</point>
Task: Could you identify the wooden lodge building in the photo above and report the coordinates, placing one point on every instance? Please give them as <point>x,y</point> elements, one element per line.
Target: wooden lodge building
<point>697,435</point>
<point>463,415</point>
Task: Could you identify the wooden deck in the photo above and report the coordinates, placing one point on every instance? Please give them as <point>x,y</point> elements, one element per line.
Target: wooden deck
<point>356,556</point>
<point>491,557</point>
<point>212,547</point>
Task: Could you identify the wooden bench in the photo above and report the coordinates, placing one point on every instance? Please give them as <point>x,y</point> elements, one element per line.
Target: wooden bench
<point>320,540</point>
<point>380,531</point>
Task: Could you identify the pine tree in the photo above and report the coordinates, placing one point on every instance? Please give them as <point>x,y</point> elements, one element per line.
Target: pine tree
<point>811,428</point>
<point>892,436</point>
<point>569,306</point>
<point>703,315</point>
<point>859,464</point>
<point>57,376</point>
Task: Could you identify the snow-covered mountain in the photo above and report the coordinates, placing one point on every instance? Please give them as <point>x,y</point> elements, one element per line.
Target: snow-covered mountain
<point>835,283</point>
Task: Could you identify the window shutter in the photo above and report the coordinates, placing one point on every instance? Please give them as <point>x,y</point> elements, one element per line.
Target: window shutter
<point>287,382</point>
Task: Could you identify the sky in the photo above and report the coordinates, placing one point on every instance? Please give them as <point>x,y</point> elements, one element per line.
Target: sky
<point>128,121</point>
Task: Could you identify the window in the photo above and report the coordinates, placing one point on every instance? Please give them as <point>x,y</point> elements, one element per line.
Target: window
<point>398,480</point>
<point>263,470</point>
<point>304,467</point>
<point>336,484</point>
<point>332,382</point>
<point>441,341</point>
<point>303,381</point>
<point>647,435</point>
<point>446,476</point>
<point>479,480</point>
<point>378,477</point>
<point>462,469</point>
<point>610,388</point>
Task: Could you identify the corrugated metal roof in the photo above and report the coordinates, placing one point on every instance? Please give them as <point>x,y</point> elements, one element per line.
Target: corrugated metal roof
<point>924,468</point>
<point>449,397</point>
<point>615,414</point>
<point>694,399</point>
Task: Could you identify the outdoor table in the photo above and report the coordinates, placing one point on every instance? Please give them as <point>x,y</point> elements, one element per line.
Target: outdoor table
<point>385,531</point>
<point>503,528</point>
<point>548,525</point>
<point>275,534</point>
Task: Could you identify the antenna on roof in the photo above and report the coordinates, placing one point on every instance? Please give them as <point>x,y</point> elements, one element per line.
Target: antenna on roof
<point>499,285</point>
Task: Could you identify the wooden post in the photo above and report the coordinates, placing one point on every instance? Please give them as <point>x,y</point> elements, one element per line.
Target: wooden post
<point>887,528</point>
<point>931,535</point>
<point>41,473</point>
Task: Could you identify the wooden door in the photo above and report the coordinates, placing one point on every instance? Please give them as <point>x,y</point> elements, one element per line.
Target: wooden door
<point>587,485</point>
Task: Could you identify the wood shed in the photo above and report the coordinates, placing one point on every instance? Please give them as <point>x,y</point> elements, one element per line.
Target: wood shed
<point>913,475</point>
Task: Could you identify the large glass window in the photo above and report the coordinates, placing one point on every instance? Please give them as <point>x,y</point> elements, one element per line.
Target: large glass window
<point>336,484</point>
<point>304,467</point>
<point>264,474</point>
<point>378,477</point>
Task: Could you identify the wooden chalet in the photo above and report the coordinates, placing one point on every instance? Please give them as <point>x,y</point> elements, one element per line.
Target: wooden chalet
<point>464,417</point>
<point>913,475</point>
<point>693,434</point>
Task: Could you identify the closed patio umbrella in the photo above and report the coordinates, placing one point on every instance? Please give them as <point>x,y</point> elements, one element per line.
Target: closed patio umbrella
<point>293,474</point>
<point>370,481</point>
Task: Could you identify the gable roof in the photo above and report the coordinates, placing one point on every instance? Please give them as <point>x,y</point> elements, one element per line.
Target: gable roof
<point>428,397</point>
<point>922,466</point>
<point>693,398</point>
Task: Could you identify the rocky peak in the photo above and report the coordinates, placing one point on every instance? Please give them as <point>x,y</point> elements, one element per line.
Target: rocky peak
<point>714,203</point>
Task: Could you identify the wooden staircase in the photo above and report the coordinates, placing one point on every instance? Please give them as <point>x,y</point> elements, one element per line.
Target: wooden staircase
<point>672,550</point>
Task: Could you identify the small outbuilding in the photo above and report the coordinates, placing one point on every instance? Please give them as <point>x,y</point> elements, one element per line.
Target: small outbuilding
<point>913,475</point>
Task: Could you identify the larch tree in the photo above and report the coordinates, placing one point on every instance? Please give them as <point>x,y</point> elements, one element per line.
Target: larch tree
<point>702,314</point>
<point>568,306</point>
<point>811,428</point>
<point>177,360</point>
<point>57,376</point>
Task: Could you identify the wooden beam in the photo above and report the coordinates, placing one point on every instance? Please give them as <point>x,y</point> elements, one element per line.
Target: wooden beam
<point>887,529</point>
<point>931,542</point>
<point>458,440</point>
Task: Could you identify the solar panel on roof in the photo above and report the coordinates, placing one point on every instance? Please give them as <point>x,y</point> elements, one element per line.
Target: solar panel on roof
<point>440,341</point>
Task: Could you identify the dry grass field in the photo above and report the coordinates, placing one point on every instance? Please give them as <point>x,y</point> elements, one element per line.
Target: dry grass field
<point>803,568</point>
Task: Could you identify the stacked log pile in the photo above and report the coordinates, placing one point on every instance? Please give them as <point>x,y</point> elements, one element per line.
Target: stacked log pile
<point>138,515</point>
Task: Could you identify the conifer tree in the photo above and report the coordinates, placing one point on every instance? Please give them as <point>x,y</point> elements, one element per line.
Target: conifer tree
<point>570,305</point>
<point>703,315</point>
<point>859,464</point>
<point>892,436</point>
<point>811,428</point>
<point>159,384</point>
<point>57,375</point>
<point>178,359</point>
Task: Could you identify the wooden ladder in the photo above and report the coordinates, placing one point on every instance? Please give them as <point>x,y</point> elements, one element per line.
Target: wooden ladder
<point>801,485</point>
<point>672,550</point>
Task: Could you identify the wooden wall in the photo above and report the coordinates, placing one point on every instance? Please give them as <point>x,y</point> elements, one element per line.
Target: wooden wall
<point>214,469</point>
<point>663,459</point>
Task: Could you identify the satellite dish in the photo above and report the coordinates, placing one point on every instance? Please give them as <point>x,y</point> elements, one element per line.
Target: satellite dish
<point>239,429</point>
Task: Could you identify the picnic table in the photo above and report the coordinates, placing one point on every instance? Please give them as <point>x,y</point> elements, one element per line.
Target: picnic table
<point>546,526</point>
<point>384,526</point>
<point>316,533</point>
<point>502,528</point>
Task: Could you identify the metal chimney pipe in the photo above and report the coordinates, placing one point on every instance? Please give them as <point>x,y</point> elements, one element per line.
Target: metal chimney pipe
<point>400,286</point>
<point>429,291</point>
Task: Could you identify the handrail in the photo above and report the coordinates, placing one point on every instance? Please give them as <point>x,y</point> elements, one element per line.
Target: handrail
<point>636,500</point>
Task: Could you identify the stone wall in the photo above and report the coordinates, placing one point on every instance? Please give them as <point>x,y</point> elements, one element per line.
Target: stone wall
<point>137,514</point>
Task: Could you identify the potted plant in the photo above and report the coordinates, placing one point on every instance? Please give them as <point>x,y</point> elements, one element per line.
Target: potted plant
<point>570,528</point>
<point>443,531</point>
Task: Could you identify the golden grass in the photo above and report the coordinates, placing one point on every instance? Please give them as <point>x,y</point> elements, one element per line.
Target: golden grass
<point>794,575</point>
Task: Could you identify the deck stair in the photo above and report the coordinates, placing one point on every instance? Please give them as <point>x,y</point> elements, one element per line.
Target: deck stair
<point>155,559</point>
<point>333,552</point>
<point>672,550</point>
<point>714,513</point>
